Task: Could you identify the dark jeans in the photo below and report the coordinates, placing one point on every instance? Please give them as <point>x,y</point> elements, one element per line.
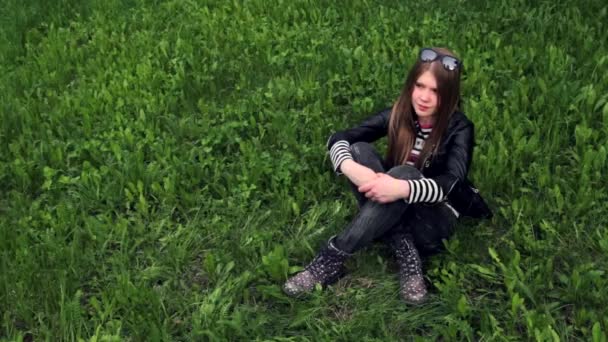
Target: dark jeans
<point>427,223</point>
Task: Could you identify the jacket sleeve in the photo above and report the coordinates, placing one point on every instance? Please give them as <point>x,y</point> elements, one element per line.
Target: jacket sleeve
<point>436,189</point>
<point>450,181</point>
<point>370,130</point>
<point>458,159</point>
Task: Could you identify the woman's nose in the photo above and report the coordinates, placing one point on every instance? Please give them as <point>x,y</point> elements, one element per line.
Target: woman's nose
<point>425,96</point>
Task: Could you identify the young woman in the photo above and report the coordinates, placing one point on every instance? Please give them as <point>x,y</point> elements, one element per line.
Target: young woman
<point>413,198</point>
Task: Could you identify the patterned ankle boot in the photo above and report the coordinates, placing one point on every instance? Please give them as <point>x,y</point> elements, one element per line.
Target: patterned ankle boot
<point>413,289</point>
<point>326,268</point>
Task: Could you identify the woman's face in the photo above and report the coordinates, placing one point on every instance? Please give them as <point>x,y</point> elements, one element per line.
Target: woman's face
<point>424,96</point>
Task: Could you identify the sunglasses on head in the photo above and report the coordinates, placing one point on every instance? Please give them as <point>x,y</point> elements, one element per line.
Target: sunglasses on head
<point>430,55</point>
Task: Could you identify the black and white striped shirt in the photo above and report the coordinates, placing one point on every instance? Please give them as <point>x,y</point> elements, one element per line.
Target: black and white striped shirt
<point>422,133</point>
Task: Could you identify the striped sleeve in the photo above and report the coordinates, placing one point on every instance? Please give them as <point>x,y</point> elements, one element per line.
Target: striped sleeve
<point>424,190</point>
<point>339,152</point>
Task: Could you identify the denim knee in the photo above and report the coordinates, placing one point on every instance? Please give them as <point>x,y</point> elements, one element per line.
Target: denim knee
<point>405,172</point>
<point>367,155</point>
<point>361,150</point>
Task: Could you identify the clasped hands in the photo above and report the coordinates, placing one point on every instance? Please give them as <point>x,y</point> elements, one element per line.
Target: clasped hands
<point>385,189</point>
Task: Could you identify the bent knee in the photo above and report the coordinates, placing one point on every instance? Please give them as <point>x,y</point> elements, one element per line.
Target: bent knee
<point>361,149</point>
<point>405,172</point>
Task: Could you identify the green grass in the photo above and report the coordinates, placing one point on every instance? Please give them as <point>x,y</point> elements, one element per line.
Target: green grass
<point>163,169</point>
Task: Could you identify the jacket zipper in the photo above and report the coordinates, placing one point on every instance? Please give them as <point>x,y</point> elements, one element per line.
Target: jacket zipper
<point>427,162</point>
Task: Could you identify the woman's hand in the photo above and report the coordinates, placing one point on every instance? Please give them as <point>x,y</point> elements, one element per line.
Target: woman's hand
<point>385,189</point>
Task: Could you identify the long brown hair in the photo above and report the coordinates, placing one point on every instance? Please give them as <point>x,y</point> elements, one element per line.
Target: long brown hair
<point>402,130</point>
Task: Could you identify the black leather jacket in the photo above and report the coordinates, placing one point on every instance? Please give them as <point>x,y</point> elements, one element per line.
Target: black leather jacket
<point>448,166</point>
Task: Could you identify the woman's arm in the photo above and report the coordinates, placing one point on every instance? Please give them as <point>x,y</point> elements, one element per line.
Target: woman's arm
<point>357,173</point>
<point>370,130</point>
<point>459,157</point>
<point>458,160</point>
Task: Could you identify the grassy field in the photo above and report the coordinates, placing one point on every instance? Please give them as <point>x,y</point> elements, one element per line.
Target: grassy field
<point>163,169</point>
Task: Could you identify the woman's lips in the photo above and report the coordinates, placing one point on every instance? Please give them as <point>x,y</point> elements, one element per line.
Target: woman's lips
<point>423,108</point>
